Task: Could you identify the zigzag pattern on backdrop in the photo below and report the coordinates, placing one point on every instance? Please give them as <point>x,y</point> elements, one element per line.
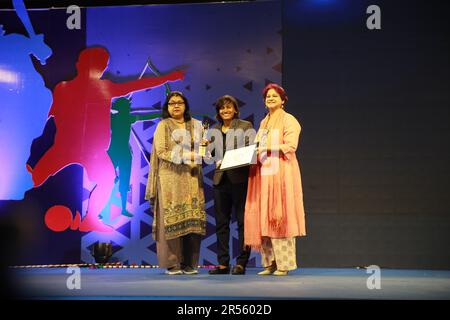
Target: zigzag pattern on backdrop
<point>132,240</point>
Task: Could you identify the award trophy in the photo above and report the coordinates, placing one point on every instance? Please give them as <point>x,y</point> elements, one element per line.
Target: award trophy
<point>202,149</point>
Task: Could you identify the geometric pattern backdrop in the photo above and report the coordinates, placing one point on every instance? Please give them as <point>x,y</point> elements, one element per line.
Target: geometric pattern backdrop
<point>225,48</point>
<point>237,57</point>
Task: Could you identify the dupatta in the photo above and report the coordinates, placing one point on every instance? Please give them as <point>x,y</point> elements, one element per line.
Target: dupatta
<point>265,184</point>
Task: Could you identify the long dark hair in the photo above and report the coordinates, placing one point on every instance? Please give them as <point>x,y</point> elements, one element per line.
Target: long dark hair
<point>165,109</point>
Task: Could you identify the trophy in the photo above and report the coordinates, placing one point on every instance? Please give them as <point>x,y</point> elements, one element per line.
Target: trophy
<point>202,149</point>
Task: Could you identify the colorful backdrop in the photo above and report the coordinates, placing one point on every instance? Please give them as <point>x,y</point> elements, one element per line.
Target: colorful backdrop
<point>224,48</point>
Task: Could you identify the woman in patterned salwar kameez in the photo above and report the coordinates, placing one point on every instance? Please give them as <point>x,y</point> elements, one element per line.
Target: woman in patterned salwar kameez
<point>274,212</point>
<point>175,188</point>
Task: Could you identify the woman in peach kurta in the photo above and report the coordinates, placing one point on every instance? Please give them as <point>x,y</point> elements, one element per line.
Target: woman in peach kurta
<point>274,212</point>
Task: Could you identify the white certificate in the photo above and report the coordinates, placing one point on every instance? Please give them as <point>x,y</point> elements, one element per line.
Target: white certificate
<point>239,157</point>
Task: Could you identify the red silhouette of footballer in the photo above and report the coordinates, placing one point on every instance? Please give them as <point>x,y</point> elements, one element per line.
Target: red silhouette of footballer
<point>81,111</point>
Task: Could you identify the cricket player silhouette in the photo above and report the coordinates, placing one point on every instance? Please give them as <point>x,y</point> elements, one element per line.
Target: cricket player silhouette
<point>25,102</point>
<point>119,149</point>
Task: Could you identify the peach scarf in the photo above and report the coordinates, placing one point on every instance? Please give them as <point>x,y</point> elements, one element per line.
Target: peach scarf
<point>263,180</point>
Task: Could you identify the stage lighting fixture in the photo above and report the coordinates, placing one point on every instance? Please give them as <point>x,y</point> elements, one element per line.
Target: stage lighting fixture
<point>101,252</point>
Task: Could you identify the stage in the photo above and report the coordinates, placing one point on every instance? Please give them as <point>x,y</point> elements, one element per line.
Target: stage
<point>307,283</point>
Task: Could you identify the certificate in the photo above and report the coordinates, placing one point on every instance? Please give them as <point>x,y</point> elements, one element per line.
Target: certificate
<point>239,157</point>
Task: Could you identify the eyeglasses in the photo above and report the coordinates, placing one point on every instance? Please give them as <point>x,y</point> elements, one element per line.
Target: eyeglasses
<point>173,104</point>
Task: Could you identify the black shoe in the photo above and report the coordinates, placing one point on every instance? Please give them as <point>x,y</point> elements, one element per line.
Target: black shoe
<point>218,270</point>
<point>238,269</point>
<point>190,270</point>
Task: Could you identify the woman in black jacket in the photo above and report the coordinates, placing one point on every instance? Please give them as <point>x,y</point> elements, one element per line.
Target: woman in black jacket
<point>230,186</point>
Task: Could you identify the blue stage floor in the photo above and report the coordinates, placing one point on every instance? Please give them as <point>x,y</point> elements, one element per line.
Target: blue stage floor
<point>308,283</point>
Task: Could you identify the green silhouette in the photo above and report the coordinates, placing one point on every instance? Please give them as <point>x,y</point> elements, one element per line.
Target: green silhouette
<point>119,150</point>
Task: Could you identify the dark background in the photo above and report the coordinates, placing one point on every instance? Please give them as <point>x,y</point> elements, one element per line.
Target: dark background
<point>374,150</point>
<point>374,110</point>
